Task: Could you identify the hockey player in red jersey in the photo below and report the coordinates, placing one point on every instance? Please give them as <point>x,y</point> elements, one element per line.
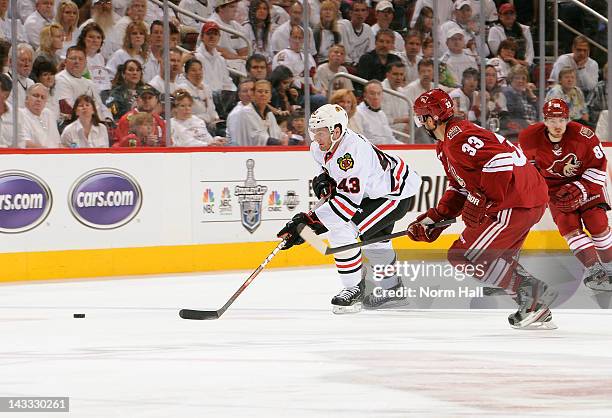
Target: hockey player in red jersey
<point>571,159</point>
<point>499,196</point>
<point>366,192</point>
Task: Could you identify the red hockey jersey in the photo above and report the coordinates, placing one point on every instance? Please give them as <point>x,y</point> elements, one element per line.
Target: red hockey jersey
<point>578,156</point>
<point>478,160</point>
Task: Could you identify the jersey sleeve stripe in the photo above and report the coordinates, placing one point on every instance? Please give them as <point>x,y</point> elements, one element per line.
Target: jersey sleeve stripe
<point>346,201</point>
<point>499,162</point>
<point>341,210</point>
<point>594,180</point>
<point>498,169</point>
<point>337,212</point>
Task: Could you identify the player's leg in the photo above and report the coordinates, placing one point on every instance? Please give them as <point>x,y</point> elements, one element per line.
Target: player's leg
<point>582,246</point>
<point>596,222</point>
<point>492,250</point>
<point>349,266</point>
<point>569,225</point>
<point>377,218</point>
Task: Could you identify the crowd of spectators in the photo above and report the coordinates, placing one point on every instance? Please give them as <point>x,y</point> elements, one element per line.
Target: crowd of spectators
<point>90,73</point>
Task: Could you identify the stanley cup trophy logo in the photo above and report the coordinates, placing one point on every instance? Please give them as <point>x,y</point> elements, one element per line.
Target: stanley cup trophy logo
<point>250,197</point>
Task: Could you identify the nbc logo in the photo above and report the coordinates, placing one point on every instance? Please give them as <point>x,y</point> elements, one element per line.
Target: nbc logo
<point>208,200</point>
<point>225,206</point>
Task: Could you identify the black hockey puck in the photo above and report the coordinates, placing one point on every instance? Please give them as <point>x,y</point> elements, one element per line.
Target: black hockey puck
<point>79,315</point>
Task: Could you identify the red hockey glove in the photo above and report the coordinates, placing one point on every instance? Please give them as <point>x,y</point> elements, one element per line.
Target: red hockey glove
<point>418,230</point>
<point>290,233</point>
<point>571,196</point>
<point>474,210</point>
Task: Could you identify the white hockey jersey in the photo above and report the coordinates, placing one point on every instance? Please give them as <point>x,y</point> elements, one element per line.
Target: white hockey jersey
<point>361,170</point>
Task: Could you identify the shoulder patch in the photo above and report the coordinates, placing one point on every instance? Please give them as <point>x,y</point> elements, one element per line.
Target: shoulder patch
<point>586,132</point>
<point>453,132</point>
<point>346,162</point>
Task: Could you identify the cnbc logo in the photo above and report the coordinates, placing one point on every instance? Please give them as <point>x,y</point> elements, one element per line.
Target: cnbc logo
<point>274,202</point>
<point>208,201</point>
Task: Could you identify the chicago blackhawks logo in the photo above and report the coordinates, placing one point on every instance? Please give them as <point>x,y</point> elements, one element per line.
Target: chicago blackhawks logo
<point>565,167</point>
<point>346,162</point>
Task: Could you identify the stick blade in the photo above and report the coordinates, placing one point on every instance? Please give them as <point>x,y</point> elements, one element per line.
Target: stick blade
<point>198,315</point>
<point>313,239</point>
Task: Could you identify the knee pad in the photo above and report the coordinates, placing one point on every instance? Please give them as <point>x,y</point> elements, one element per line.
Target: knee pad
<point>596,221</point>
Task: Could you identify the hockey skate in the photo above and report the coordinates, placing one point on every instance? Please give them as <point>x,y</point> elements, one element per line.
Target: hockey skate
<point>383,300</point>
<point>597,278</point>
<point>349,300</point>
<point>534,298</point>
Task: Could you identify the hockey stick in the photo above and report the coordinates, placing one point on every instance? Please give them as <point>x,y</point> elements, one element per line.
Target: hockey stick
<point>194,314</point>
<point>314,240</point>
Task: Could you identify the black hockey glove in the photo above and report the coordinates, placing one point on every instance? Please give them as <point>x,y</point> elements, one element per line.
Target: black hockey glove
<point>290,233</point>
<point>323,186</point>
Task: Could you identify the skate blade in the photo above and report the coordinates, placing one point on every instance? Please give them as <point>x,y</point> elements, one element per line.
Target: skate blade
<point>539,325</point>
<point>536,320</point>
<point>599,287</point>
<point>351,309</point>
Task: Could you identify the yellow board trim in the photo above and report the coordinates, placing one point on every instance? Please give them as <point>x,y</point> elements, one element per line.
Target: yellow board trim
<point>193,258</point>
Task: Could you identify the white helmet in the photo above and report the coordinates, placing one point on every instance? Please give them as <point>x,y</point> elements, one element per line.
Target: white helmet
<point>328,116</point>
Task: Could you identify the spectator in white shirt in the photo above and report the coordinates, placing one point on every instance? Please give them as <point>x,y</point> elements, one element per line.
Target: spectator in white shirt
<point>424,23</point>
<point>44,72</point>
<point>216,74</point>
<point>280,36</point>
<point>67,17</point>
<point>373,119</point>
<point>466,98</point>
<point>326,71</point>
<point>187,129</point>
<point>245,94</point>
<point>456,58</point>
<point>463,19</point>
<point>384,17</point>
<point>25,60</point>
<point>156,46</point>
<point>256,124</point>
<point>197,7</point>
<point>38,125</point>
<point>91,40</point>
<point>410,56</point>
<point>51,43</point>
<point>135,46</point>
<point>135,13</point>
<point>233,48</point>
<point>42,17</point>
<point>6,113</point>
<point>259,28</point>
<point>507,28</point>
<point>70,83</point>
<point>86,130</point>
<point>203,105</point>
<point>293,58</point>
<point>6,29</point>
<point>158,81</point>
<point>102,14</point>
<point>587,70</point>
<point>395,108</point>
<point>357,35</point>
<point>327,32</point>
<point>414,89</point>
<point>445,9</point>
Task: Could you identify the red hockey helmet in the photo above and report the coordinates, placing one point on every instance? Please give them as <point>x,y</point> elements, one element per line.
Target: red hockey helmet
<point>435,103</point>
<point>555,108</point>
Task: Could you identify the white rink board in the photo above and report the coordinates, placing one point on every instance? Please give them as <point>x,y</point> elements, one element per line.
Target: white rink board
<point>183,195</point>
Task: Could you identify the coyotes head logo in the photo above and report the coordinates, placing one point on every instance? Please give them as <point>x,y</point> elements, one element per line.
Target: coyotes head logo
<point>565,167</point>
<point>346,162</point>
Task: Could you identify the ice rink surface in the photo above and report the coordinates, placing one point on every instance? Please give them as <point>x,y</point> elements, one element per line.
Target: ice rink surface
<point>280,352</point>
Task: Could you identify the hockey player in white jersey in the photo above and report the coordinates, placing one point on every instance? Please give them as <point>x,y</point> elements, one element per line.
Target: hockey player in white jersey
<point>366,192</point>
